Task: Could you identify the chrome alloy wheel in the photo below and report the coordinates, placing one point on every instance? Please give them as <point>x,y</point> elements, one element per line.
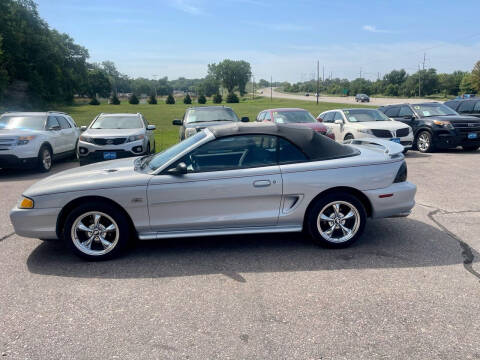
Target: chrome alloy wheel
<point>46,159</point>
<point>95,233</point>
<point>423,142</point>
<point>338,221</point>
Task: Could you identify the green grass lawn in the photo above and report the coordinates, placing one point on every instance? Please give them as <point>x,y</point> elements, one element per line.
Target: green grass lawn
<point>162,114</point>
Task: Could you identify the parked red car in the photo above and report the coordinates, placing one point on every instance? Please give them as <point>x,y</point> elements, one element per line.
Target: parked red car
<point>295,116</point>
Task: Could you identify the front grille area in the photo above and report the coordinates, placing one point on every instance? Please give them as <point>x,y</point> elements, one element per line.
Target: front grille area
<point>7,143</point>
<point>382,133</point>
<point>466,127</point>
<point>403,132</point>
<point>110,141</point>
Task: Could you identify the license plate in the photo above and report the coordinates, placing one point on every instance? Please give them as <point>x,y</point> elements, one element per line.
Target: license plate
<point>109,155</point>
<point>395,140</point>
<point>472,135</point>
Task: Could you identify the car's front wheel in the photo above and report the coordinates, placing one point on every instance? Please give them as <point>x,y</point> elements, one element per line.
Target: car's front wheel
<point>424,142</point>
<point>45,159</point>
<point>336,220</point>
<point>97,231</point>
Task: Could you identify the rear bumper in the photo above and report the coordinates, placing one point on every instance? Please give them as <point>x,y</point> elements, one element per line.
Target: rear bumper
<point>35,223</point>
<point>13,161</point>
<point>400,203</point>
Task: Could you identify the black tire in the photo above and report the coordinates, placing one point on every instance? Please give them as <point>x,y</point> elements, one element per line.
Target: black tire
<point>424,142</point>
<point>470,147</point>
<point>405,151</point>
<point>348,137</point>
<point>45,159</point>
<point>347,203</point>
<point>111,215</point>
<point>154,147</point>
<point>148,151</point>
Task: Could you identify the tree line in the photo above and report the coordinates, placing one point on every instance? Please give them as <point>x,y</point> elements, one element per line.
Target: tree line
<point>398,83</point>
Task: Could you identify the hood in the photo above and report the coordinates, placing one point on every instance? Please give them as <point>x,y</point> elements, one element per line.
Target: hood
<point>204,124</point>
<point>383,125</point>
<point>454,118</point>
<point>7,133</point>
<point>101,133</point>
<point>107,174</point>
<point>315,126</point>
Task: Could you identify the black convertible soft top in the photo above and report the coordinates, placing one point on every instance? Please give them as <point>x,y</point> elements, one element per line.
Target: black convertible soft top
<point>314,145</point>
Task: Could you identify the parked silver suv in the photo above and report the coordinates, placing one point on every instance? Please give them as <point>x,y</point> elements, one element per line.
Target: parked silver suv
<point>114,136</point>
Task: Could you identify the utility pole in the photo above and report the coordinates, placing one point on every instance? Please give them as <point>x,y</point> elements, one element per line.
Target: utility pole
<point>271,88</point>
<point>419,77</point>
<point>323,73</point>
<point>360,73</point>
<point>253,87</point>
<point>318,78</point>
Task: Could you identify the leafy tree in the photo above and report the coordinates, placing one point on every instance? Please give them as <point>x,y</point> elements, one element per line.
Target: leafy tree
<point>209,86</point>
<point>217,99</point>
<point>395,77</point>
<point>187,99</point>
<point>114,100</point>
<point>232,98</point>
<point>476,77</point>
<point>231,74</point>
<point>262,83</point>
<point>170,99</point>
<point>94,101</point>
<point>467,86</point>
<point>202,99</point>
<point>97,83</point>
<point>133,99</point>
<point>152,100</point>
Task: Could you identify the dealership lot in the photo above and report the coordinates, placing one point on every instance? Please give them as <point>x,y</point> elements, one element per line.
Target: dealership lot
<point>408,289</point>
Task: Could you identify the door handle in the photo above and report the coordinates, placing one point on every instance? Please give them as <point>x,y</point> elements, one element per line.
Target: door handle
<point>261,183</point>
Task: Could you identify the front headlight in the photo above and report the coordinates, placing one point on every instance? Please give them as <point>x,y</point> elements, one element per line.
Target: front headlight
<point>25,203</point>
<point>87,139</point>
<point>23,140</point>
<point>445,124</point>
<point>189,132</point>
<point>365,131</point>
<point>135,138</point>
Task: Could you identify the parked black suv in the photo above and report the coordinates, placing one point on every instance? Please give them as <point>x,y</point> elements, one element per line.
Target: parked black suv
<point>199,117</point>
<point>362,98</point>
<point>465,106</point>
<point>437,126</point>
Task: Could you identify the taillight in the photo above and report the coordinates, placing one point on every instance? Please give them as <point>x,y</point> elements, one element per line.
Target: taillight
<point>401,174</point>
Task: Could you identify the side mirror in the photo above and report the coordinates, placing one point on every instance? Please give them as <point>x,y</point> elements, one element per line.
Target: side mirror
<point>83,128</point>
<point>177,122</point>
<point>180,169</point>
<point>319,119</point>
<point>339,122</point>
<point>151,127</point>
<point>409,117</point>
<point>245,119</point>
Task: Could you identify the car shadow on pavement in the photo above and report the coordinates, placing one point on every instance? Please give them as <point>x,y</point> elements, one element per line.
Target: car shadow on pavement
<point>387,243</point>
<point>34,174</point>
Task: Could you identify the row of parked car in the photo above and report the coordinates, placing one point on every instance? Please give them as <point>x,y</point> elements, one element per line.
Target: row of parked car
<point>37,139</point>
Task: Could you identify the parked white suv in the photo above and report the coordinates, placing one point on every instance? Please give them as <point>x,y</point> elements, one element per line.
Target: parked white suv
<point>36,138</point>
<point>359,123</point>
<point>114,136</point>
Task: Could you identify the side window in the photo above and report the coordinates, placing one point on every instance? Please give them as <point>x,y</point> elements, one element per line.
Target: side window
<point>63,122</point>
<point>476,109</point>
<point>466,106</point>
<point>452,104</point>
<point>405,111</point>
<point>231,153</point>
<point>52,123</point>
<point>145,122</point>
<point>392,112</point>
<point>260,116</point>
<point>268,116</point>
<point>338,116</point>
<point>328,118</point>
<point>72,121</point>
<point>289,153</point>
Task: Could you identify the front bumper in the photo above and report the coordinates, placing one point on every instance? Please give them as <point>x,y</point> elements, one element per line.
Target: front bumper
<point>90,153</point>
<point>453,138</point>
<point>13,161</point>
<point>399,203</point>
<point>35,223</point>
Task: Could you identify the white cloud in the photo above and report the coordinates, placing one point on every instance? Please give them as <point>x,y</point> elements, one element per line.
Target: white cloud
<point>188,7</point>
<point>373,29</point>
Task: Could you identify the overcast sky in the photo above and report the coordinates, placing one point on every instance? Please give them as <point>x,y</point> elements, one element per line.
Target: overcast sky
<point>282,39</point>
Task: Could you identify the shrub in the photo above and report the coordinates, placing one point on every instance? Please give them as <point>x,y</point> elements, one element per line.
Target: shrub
<point>152,100</point>
<point>187,99</point>
<point>170,99</point>
<point>232,98</point>
<point>114,100</point>
<point>133,100</point>
<point>217,99</point>
<point>202,99</point>
<point>94,101</point>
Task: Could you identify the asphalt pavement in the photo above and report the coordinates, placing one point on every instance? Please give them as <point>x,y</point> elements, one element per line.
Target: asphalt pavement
<point>409,289</point>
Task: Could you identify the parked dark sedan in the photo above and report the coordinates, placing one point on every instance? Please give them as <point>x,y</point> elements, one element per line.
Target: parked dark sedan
<point>437,126</point>
<point>362,98</point>
<point>465,106</point>
<point>198,118</point>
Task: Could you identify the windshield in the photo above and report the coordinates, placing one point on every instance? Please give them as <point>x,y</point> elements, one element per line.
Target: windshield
<point>31,122</point>
<point>163,157</point>
<point>206,114</point>
<point>363,115</point>
<point>117,122</point>
<point>284,117</point>
<point>426,110</point>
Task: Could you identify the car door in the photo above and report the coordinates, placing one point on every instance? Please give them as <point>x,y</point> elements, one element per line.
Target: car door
<point>328,121</point>
<point>231,182</point>
<point>148,133</point>
<point>54,134</point>
<point>68,134</point>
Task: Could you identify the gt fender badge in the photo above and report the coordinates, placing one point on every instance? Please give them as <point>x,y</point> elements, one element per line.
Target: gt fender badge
<point>137,200</point>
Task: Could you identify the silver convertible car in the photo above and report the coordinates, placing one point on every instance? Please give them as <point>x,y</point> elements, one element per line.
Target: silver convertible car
<point>228,179</point>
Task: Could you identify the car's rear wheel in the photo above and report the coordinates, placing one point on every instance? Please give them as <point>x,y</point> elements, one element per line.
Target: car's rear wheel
<point>97,231</point>
<point>336,220</point>
<point>348,137</point>
<point>424,142</point>
<point>470,148</point>
<point>45,159</point>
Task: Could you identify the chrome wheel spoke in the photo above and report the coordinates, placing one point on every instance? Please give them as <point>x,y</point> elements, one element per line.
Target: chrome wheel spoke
<point>349,215</point>
<point>96,219</point>
<point>105,243</point>
<point>336,209</point>
<point>330,231</point>
<point>81,226</point>
<point>326,218</point>
<point>346,231</point>
<point>88,242</point>
<point>110,228</point>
